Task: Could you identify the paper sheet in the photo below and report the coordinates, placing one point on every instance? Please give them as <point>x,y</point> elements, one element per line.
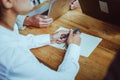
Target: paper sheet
<point>88,43</point>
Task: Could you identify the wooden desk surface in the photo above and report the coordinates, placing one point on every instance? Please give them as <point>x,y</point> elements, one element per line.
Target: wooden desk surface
<point>95,66</point>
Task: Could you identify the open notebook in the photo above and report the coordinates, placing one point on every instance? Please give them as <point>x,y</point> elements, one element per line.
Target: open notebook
<point>88,43</point>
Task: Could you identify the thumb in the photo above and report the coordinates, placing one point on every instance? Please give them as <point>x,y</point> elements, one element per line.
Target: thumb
<point>71,33</point>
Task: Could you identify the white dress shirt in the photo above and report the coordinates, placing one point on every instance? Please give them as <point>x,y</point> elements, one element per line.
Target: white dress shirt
<point>18,63</point>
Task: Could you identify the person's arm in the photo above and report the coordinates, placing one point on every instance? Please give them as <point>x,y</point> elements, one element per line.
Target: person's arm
<point>24,64</point>
<point>34,41</point>
<point>34,21</point>
<point>70,65</point>
<point>38,20</point>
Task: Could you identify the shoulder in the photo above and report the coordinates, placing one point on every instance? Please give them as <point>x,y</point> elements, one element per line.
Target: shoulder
<point>6,55</point>
<point>11,55</point>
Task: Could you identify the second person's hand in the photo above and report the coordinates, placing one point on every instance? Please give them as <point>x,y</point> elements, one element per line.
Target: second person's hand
<point>38,20</point>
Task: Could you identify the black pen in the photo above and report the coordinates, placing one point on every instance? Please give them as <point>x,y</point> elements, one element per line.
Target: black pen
<point>68,33</point>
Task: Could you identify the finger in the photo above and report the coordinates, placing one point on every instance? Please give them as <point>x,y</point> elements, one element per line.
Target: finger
<point>43,26</point>
<point>42,23</point>
<point>73,7</point>
<point>39,15</point>
<point>77,32</point>
<point>45,23</point>
<point>70,34</point>
<point>64,32</point>
<point>45,17</point>
<point>59,42</point>
<point>46,20</point>
<point>62,40</point>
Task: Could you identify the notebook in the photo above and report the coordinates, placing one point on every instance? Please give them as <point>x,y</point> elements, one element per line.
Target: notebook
<point>88,43</point>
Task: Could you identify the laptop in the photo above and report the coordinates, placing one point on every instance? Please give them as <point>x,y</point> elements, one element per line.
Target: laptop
<point>52,8</point>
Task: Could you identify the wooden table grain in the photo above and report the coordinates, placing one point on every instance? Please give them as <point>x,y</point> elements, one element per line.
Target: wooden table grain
<point>93,67</point>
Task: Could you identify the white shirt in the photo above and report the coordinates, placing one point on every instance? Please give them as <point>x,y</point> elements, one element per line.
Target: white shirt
<point>18,63</point>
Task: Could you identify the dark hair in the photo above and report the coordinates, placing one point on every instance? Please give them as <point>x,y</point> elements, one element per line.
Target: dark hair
<point>2,10</point>
<point>113,72</point>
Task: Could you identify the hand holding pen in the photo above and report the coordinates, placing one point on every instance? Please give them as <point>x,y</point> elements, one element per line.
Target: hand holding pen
<point>63,35</point>
<point>74,32</point>
<point>74,38</point>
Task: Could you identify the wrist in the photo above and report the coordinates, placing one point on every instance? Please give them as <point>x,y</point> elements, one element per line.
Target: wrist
<point>51,38</point>
<point>27,21</point>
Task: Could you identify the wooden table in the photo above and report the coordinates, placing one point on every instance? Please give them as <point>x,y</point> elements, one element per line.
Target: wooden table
<point>95,66</point>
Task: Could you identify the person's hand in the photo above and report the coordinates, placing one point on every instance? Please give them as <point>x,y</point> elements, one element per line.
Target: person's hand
<point>38,21</point>
<point>74,4</point>
<point>74,38</point>
<point>57,36</point>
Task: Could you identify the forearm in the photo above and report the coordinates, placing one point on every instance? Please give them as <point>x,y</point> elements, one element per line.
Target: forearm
<point>68,68</point>
<point>66,71</point>
<point>70,64</point>
<point>27,21</point>
<point>34,41</point>
<point>23,20</point>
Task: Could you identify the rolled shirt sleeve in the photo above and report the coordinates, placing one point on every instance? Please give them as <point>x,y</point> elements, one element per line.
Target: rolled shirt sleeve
<point>70,65</point>
<point>20,21</point>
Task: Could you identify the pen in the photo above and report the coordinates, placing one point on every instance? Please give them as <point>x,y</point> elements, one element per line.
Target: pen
<point>76,30</point>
